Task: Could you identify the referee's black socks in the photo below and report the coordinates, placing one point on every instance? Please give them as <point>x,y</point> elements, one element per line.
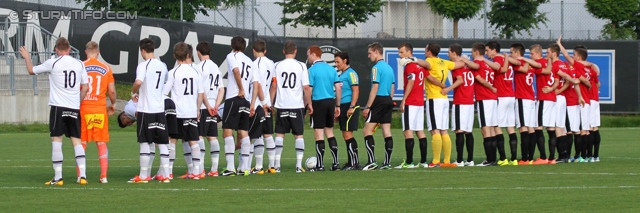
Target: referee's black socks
<point>333,146</point>
<point>320,153</point>
<point>388,147</point>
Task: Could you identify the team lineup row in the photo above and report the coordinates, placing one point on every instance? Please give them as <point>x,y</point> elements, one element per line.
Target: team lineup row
<point>257,88</point>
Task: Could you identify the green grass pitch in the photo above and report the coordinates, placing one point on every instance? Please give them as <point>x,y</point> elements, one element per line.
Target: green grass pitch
<point>610,185</point>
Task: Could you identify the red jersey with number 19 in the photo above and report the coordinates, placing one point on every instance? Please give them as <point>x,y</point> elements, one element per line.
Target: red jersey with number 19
<point>482,92</point>
<point>524,83</point>
<point>503,81</point>
<point>463,94</point>
<point>413,71</point>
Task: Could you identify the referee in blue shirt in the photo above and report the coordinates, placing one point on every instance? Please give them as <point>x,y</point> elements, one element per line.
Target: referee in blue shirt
<point>348,118</point>
<point>323,78</point>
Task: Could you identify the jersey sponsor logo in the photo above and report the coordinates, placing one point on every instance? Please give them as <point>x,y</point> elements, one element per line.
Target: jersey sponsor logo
<point>94,121</point>
<point>374,74</point>
<point>70,114</point>
<point>289,114</point>
<point>354,78</point>
<point>156,125</point>
<point>169,111</point>
<point>94,68</point>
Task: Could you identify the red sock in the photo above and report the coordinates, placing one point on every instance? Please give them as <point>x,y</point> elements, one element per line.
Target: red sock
<point>103,156</point>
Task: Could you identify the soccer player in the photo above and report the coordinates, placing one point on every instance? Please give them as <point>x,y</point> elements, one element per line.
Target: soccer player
<point>265,68</point>
<point>503,81</point>
<point>348,108</point>
<point>379,107</point>
<point>525,100</point>
<point>93,108</point>
<point>214,90</point>
<point>487,99</point>
<point>185,84</point>
<point>412,105</point>
<point>128,116</point>
<point>462,112</point>
<point>325,97</point>
<point>595,112</point>
<point>150,77</point>
<point>292,95</point>
<point>559,67</point>
<point>546,107</point>
<point>68,81</point>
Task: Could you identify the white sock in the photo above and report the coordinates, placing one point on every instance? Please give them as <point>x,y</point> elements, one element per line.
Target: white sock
<point>250,155</point>
<point>202,151</point>
<point>299,151</point>
<point>195,155</point>
<point>245,148</point>
<point>279,146</point>
<point>164,160</point>
<point>152,156</point>
<point>187,156</point>
<point>215,154</point>
<point>144,160</point>
<point>229,152</point>
<point>56,158</point>
<point>172,157</point>
<point>271,151</point>
<point>258,151</point>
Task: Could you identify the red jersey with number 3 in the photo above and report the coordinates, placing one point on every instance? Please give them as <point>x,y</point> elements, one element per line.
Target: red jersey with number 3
<point>413,71</point>
<point>582,72</point>
<point>485,72</point>
<point>545,80</point>
<point>524,82</point>
<point>503,81</point>
<point>463,94</point>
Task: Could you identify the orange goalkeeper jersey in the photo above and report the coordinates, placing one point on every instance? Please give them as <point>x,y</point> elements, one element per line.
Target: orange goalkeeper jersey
<point>100,76</point>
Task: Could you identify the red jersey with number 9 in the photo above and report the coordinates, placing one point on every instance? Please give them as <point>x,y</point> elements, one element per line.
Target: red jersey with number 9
<point>413,71</point>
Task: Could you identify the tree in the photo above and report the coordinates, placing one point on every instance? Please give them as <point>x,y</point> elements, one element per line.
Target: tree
<point>167,9</point>
<point>456,10</point>
<point>618,12</point>
<point>509,17</point>
<point>315,13</point>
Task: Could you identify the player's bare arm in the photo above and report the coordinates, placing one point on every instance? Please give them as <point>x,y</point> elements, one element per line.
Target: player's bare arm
<point>492,64</point>
<point>455,84</point>
<point>265,103</point>
<point>532,63</point>
<point>423,63</point>
<point>548,89</point>
<point>307,98</point>
<point>238,78</point>
<point>410,81</point>
<point>272,92</point>
<point>585,81</point>
<point>201,99</point>
<point>219,100</point>
<point>580,98</point>
<point>372,96</point>
<point>485,83</point>
<point>505,65</point>
<point>564,51</point>
<point>111,92</point>
<point>547,70</point>
<point>513,61</point>
<point>338,88</point>
<point>435,81</point>
<point>469,63</point>
<point>254,97</point>
<point>84,88</point>
<point>27,58</point>
<point>563,88</point>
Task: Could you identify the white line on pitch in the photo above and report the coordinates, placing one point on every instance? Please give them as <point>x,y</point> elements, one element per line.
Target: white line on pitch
<point>520,173</point>
<point>98,189</point>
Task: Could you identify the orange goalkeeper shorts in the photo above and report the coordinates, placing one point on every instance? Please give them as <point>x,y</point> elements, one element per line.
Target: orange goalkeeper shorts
<point>94,124</point>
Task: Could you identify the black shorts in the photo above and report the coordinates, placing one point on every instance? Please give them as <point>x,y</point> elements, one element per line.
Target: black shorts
<point>64,121</point>
<point>267,125</point>
<point>236,114</point>
<point>290,120</point>
<point>323,113</point>
<point>208,125</point>
<point>152,128</point>
<point>348,123</point>
<point>172,120</point>
<point>188,130</point>
<point>255,129</point>
<point>381,110</point>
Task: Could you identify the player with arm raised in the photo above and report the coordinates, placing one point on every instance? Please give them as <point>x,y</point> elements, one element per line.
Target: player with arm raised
<point>349,108</point>
<point>265,68</point>
<point>69,85</point>
<point>559,67</point>
<point>292,95</point>
<point>379,107</point>
<point>462,111</point>
<point>147,89</point>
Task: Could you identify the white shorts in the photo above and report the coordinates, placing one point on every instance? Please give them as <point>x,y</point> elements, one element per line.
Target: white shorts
<point>561,109</point>
<point>438,114</point>
<point>487,111</point>
<point>413,118</point>
<point>462,117</point>
<point>573,119</point>
<point>546,113</point>
<point>526,113</point>
<point>506,112</point>
<point>595,113</point>
<point>585,121</point>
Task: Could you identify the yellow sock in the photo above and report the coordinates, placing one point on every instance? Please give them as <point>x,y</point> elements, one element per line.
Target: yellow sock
<point>436,147</point>
<point>446,146</point>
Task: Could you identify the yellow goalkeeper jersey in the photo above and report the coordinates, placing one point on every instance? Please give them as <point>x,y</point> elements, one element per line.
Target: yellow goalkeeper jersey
<point>440,70</point>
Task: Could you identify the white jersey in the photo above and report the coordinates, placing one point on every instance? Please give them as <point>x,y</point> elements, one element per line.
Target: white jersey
<point>153,74</point>
<point>211,81</point>
<point>185,85</point>
<point>265,67</point>
<point>130,109</point>
<point>67,73</point>
<point>291,76</point>
<point>244,64</point>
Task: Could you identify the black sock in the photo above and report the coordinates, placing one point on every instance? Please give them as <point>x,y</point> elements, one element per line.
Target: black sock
<point>459,146</point>
<point>552,144</point>
<point>524,145</point>
<point>578,140</point>
<point>561,146</point>
<point>500,146</point>
<point>408,147</point>
<point>589,145</point>
<point>596,143</point>
<point>533,141</point>
<point>543,152</point>
<point>388,147</point>
<point>349,155</point>
<point>333,146</point>
<point>487,148</point>
<point>320,153</point>
<point>355,161</point>
<point>371,145</point>
<point>423,150</point>
<point>513,146</point>
<point>568,145</point>
<point>469,143</point>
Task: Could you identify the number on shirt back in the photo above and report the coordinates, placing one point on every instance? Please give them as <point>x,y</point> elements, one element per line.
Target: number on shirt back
<point>508,76</point>
<point>188,86</point>
<point>159,75</point>
<point>213,82</point>
<point>468,79</point>
<point>245,69</point>
<point>268,82</point>
<point>488,75</point>
<point>97,85</point>
<point>289,80</point>
<point>69,78</point>
<point>552,80</point>
<point>421,78</point>
<point>529,79</point>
